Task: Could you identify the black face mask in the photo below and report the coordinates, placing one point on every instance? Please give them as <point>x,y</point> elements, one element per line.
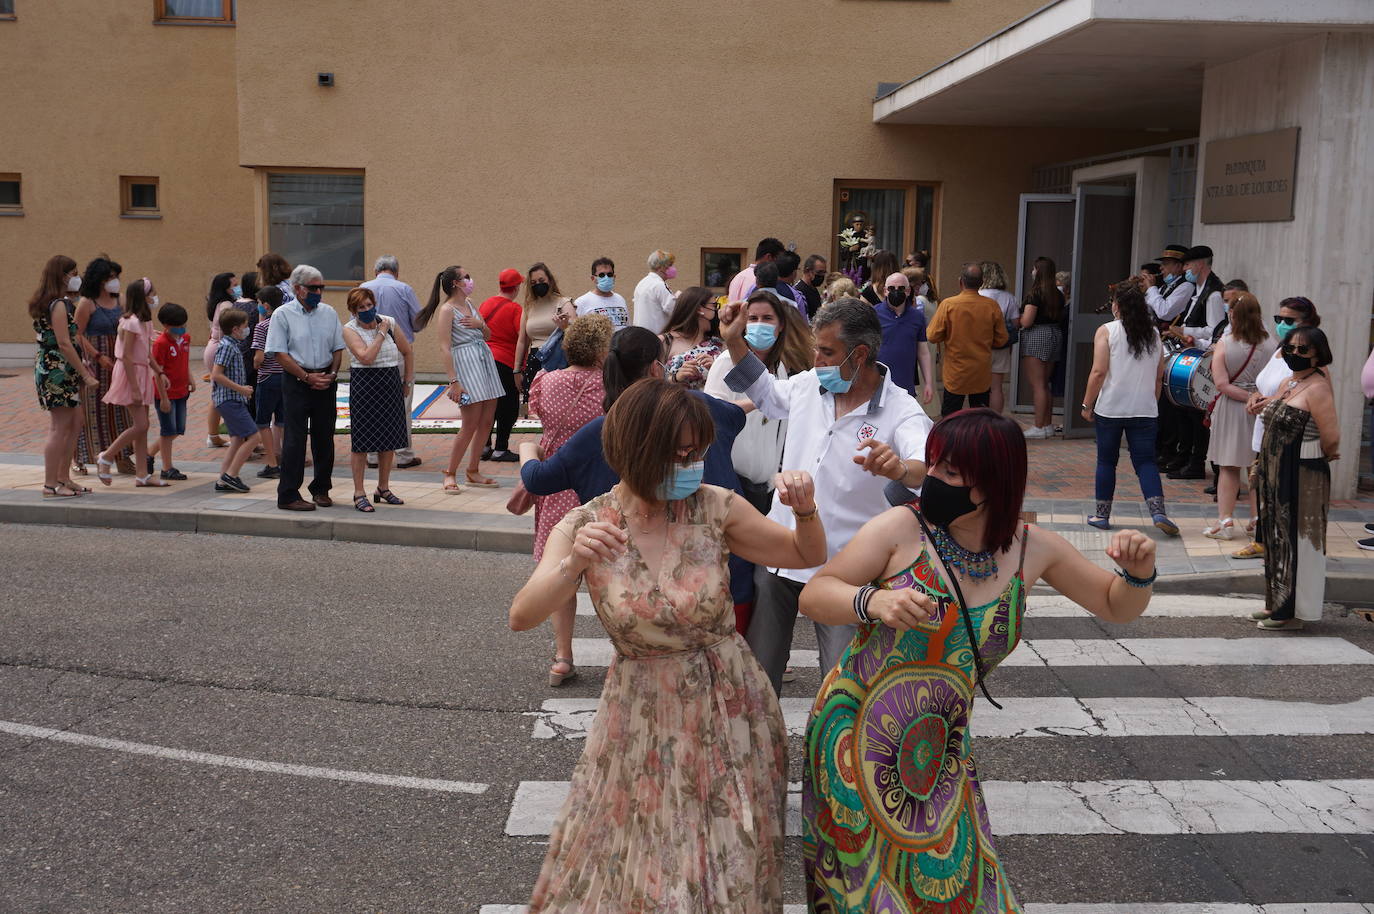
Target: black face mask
<point>818,280</point>
<point>540,289</point>
<point>1297,362</point>
<point>896,298</point>
<point>942,503</point>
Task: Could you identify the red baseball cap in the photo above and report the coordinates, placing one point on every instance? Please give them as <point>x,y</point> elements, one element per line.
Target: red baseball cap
<point>509,279</point>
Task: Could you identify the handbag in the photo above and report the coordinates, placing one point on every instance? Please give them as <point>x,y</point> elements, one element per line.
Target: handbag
<point>520,500</point>
<point>1207,419</point>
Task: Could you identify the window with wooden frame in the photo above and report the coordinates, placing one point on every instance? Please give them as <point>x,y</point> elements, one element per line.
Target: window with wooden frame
<point>897,216</point>
<point>11,201</point>
<point>139,197</point>
<point>719,266</point>
<point>6,9</point>
<point>196,12</point>
<point>316,217</point>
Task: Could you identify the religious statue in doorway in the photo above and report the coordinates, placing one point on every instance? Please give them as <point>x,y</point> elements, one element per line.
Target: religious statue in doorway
<point>857,245</point>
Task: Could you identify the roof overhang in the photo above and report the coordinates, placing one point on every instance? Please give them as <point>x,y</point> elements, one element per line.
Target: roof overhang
<point>1128,64</point>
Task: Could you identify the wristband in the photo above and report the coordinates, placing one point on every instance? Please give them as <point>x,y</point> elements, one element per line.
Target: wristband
<point>862,596</point>
<point>1134,581</point>
<point>809,515</point>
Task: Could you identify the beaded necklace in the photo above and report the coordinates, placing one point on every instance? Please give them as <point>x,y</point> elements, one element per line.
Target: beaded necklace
<point>966,563</point>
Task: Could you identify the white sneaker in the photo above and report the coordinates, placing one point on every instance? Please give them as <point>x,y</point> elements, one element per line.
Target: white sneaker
<point>1042,431</point>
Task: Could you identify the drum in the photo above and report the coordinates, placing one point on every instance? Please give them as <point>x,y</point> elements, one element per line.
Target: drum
<point>1188,379</point>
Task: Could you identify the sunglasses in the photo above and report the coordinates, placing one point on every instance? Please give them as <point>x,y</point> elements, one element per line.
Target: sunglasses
<point>316,288</point>
<point>602,275</point>
<point>1298,350</point>
<point>891,289</point>
<point>687,456</point>
<point>1280,319</point>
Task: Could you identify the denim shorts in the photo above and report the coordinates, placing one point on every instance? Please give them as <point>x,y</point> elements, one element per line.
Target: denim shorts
<point>236,419</point>
<point>173,423</point>
<point>268,399</point>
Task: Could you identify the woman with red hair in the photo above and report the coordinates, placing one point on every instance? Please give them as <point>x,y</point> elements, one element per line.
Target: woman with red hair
<point>893,810</point>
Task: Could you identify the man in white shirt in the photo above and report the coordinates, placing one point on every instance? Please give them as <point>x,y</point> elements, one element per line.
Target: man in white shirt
<point>602,299</point>
<point>1204,312</point>
<point>861,438</point>
<point>768,249</point>
<point>1173,293</point>
<point>396,300</point>
<point>653,301</point>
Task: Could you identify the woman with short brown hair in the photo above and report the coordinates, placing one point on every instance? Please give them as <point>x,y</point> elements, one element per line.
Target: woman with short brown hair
<point>381,372</point>
<point>706,831</point>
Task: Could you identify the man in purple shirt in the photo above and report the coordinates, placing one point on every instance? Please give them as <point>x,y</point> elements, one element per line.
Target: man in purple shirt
<point>904,339</point>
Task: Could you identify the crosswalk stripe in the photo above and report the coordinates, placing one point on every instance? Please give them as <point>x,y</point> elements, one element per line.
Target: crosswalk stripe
<point>1115,807</point>
<point>570,718</point>
<point>1055,606</point>
<point>1256,650</point>
<point>1096,908</point>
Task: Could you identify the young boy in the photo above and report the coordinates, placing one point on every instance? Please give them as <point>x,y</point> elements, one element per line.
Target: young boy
<point>230,395</point>
<point>269,382</point>
<point>172,353</point>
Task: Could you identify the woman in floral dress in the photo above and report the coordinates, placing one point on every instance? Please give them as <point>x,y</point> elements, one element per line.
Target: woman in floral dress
<point>691,342</point>
<point>679,799</point>
<point>58,372</point>
<point>565,400</point>
<point>893,811</point>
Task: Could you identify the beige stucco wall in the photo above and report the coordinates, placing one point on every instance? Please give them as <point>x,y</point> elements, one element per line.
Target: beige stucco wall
<point>93,90</point>
<point>1324,85</point>
<point>495,135</point>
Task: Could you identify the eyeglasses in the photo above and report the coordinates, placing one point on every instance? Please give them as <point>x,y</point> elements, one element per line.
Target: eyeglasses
<point>603,275</point>
<point>316,287</point>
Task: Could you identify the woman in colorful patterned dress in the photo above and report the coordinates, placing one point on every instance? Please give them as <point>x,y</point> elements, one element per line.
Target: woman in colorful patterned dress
<point>97,322</point>
<point>59,372</point>
<point>692,342</point>
<point>679,799</point>
<point>893,812</point>
<point>565,400</point>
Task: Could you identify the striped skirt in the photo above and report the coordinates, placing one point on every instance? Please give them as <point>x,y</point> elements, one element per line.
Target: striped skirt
<point>476,372</point>
<point>377,410</point>
<point>104,422</point>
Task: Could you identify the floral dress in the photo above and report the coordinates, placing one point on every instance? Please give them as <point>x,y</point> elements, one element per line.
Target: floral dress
<point>894,819</point>
<point>679,799</point>
<point>58,383</point>
<point>564,400</point>
<point>711,346</point>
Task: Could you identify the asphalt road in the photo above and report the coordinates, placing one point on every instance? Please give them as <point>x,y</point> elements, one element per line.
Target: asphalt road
<point>398,661</point>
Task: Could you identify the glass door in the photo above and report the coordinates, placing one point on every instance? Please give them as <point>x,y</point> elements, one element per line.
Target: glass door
<point>1045,229</point>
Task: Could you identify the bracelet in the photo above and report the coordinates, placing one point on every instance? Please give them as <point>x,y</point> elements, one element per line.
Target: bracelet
<point>862,596</point>
<point>808,516</point>
<point>454,381</point>
<point>563,569</point>
<point>1134,581</point>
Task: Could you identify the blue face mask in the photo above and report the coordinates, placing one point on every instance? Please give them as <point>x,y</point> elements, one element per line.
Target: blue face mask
<point>1283,328</point>
<point>605,283</point>
<point>238,291</point>
<point>312,301</point>
<point>368,316</point>
<point>262,310</point>
<point>683,481</point>
<point>1190,276</point>
<point>829,376</point>
<point>760,335</point>
<point>177,331</point>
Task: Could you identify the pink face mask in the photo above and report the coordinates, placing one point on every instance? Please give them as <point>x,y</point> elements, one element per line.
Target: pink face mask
<point>467,286</point>
<point>670,272</point>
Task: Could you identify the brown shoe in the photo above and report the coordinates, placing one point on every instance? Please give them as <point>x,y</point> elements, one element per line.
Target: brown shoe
<point>324,501</point>
<point>299,504</point>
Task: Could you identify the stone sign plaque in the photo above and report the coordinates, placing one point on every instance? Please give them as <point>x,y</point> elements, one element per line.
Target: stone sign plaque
<point>1250,178</point>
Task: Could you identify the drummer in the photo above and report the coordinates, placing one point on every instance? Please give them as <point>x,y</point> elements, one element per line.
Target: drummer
<point>1167,295</point>
<point>1205,310</point>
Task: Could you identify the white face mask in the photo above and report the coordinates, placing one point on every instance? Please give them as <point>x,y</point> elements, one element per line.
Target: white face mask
<point>112,286</point>
<point>154,301</point>
<point>74,284</point>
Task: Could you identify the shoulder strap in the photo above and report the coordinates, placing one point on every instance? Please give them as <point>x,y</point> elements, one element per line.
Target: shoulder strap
<point>961,609</point>
<point>1025,535</point>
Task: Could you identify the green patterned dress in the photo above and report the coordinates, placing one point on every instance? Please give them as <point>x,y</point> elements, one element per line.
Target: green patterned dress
<point>893,811</point>
<point>58,383</point>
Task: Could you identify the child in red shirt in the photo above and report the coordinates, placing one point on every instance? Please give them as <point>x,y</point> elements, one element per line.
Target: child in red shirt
<point>172,351</point>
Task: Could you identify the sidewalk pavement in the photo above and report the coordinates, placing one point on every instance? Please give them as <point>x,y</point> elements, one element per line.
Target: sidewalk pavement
<point>1059,494</point>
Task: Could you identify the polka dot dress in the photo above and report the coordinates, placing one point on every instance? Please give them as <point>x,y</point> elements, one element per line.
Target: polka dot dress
<point>564,401</point>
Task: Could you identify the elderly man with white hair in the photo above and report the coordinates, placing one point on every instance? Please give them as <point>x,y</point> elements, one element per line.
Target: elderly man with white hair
<point>396,300</point>
<point>308,342</point>
<point>653,301</point>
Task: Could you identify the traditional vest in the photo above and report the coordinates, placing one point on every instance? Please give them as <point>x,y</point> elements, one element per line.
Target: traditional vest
<point>1197,314</point>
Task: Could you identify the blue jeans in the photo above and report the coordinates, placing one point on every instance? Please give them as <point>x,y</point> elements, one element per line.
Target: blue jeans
<point>1140,440</point>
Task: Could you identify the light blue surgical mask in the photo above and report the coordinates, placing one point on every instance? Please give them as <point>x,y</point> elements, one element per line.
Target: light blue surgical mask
<point>605,283</point>
<point>176,331</point>
<point>312,301</point>
<point>238,291</point>
<point>262,310</point>
<point>760,335</point>
<point>1283,328</point>
<point>830,378</point>
<point>368,316</point>
<point>682,482</point>
<point>1190,276</point>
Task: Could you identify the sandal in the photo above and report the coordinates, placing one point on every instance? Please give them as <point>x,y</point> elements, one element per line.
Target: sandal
<point>102,470</point>
<point>556,679</point>
<point>360,503</point>
<point>483,482</point>
<point>51,491</point>
<point>451,486</point>
<point>80,469</point>
<point>79,490</point>
<point>150,482</point>
<point>1221,530</point>
<point>387,496</point>
<point>1250,526</point>
<point>1252,551</point>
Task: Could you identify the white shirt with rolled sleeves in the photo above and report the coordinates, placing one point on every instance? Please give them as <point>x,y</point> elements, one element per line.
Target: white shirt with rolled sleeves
<point>1168,307</point>
<point>1216,310</point>
<point>825,445</point>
